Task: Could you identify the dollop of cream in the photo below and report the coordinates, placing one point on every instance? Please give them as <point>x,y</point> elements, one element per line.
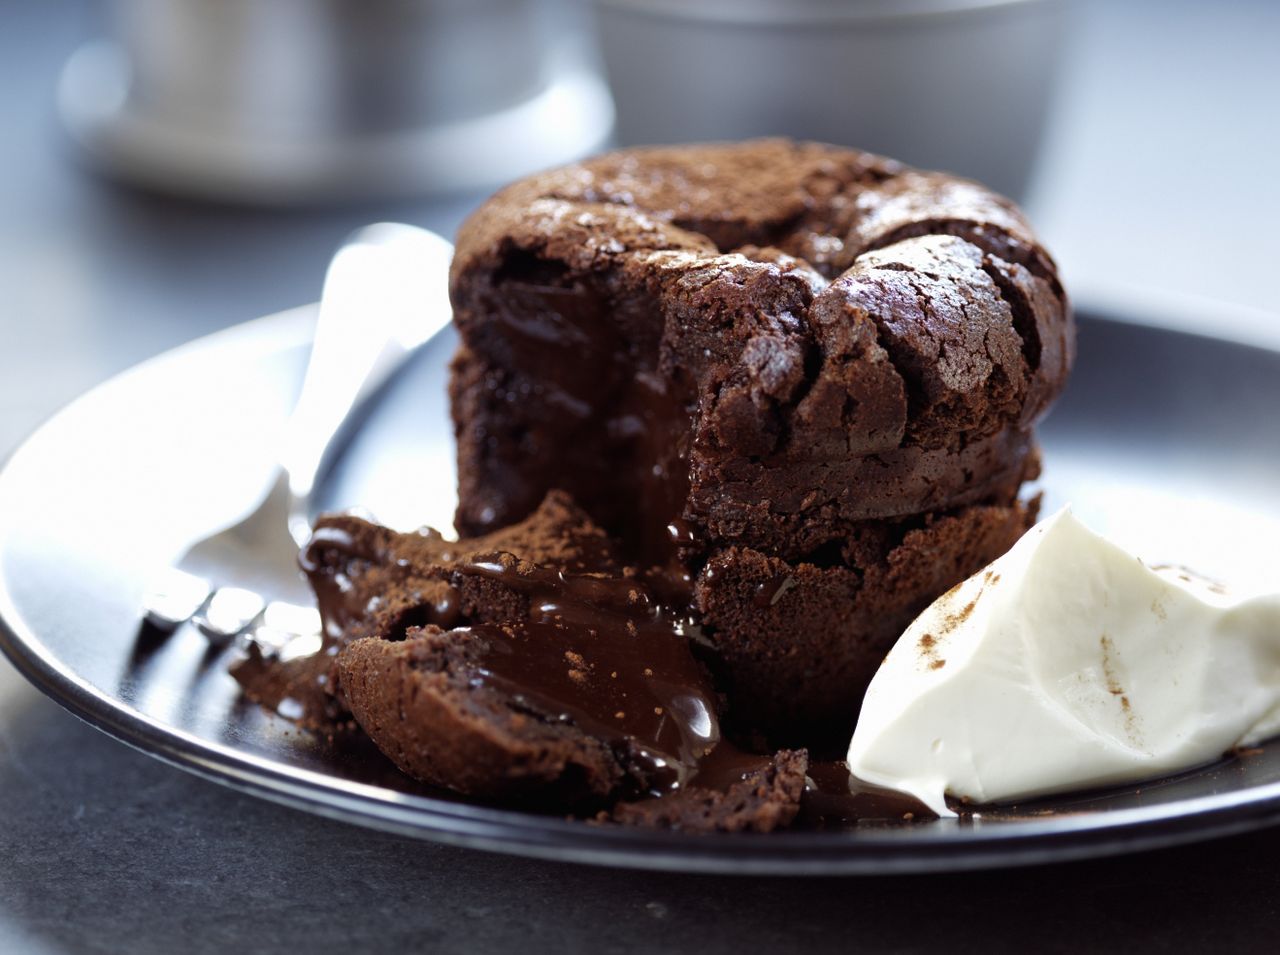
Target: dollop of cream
<point>1068,664</point>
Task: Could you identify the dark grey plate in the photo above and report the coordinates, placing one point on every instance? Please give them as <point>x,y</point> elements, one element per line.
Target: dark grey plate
<point>1167,441</point>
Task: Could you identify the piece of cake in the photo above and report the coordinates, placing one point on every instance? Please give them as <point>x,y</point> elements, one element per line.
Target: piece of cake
<point>527,667</point>
<point>799,381</point>
<point>368,579</point>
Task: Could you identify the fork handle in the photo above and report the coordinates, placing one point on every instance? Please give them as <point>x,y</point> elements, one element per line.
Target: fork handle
<point>385,293</point>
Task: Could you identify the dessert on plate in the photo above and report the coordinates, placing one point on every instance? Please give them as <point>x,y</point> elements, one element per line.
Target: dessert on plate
<point>529,665</point>
<point>728,418</point>
<point>805,378</point>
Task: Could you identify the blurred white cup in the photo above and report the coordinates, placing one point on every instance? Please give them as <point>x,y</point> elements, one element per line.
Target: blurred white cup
<point>959,85</point>
<point>277,101</point>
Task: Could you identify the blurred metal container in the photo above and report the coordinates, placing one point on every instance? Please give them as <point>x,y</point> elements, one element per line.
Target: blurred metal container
<point>960,85</point>
<point>282,100</point>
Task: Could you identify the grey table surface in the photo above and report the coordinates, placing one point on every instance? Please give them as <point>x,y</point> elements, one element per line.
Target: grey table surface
<point>1160,167</point>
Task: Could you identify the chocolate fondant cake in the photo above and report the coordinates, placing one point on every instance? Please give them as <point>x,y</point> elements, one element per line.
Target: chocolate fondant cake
<point>728,417</point>
<point>801,380</point>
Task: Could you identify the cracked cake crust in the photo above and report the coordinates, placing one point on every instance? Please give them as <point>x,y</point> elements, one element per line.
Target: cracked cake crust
<point>927,327</point>
<point>766,348</point>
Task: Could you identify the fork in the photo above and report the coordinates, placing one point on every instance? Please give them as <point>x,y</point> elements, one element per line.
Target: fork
<point>385,293</point>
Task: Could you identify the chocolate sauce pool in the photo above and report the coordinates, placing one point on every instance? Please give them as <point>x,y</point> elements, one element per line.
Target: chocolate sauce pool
<point>600,651</point>
<point>604,652</point>
<point>834,799</point>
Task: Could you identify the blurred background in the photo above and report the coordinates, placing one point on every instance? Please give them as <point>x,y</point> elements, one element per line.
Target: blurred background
<point>173,167</point>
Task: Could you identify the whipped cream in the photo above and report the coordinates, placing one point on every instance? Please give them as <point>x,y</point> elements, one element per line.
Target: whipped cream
<point>1068,664</point>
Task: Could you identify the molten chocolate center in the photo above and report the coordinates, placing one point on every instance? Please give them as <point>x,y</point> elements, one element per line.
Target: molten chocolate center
<point>603,653</point>
<point>618,429</point>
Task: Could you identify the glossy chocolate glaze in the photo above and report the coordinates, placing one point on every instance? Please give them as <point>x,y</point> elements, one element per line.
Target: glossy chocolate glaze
<point>300,689</point>
<point>337,598</point>
<point>602,652</point>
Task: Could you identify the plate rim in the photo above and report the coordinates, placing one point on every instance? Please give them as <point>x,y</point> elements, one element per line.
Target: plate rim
<point>850,852</point>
